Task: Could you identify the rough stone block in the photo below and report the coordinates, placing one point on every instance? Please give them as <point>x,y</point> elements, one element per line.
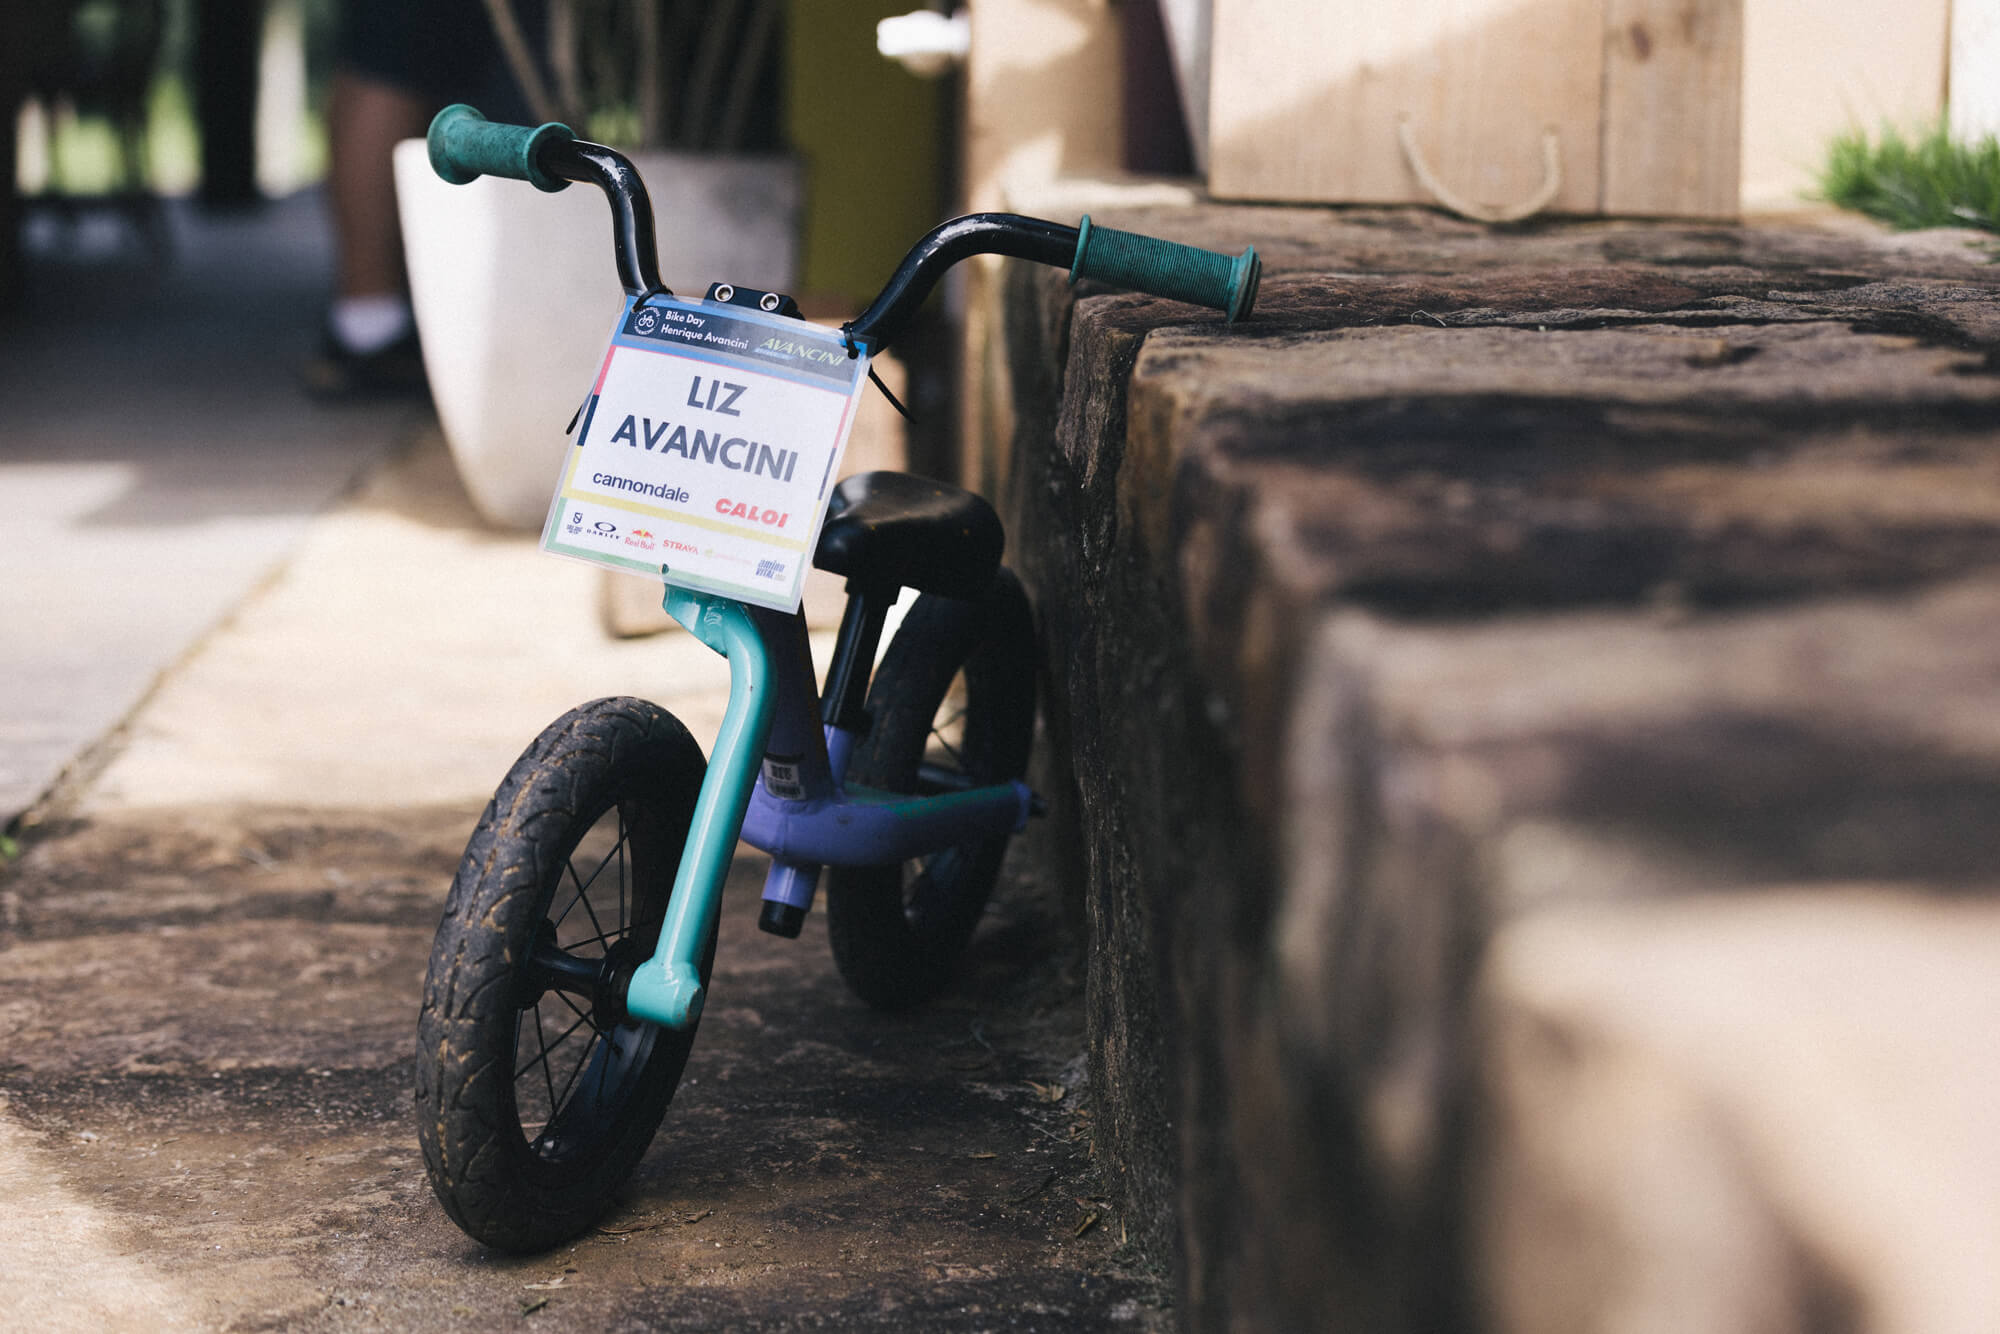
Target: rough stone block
<point>1771,1112</point>
<point>1487,578</point>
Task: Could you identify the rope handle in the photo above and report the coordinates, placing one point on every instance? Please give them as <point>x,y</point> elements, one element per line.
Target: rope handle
<point>1466,208</point>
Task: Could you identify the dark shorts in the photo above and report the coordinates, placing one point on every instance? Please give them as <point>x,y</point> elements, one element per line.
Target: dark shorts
<point>441,50</point>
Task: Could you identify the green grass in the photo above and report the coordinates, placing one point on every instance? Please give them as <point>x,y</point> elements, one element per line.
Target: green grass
<point>1930,180</point>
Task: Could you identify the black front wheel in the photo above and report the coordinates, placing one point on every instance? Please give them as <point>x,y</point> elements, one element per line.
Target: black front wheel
<point>536,1093</point>
<point>953,706</point>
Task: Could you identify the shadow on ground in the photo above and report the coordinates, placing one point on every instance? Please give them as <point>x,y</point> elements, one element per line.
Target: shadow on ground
<point>212,1015</point>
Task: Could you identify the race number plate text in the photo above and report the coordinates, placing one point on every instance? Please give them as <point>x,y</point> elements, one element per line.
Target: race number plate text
<point>705,452</point>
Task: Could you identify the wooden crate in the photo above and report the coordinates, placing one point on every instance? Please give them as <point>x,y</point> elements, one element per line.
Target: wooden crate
<point>1639,101</point>
<point>1672,108</point>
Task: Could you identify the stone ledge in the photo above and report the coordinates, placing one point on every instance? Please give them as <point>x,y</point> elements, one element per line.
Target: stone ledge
<point>1598,564</point>
<point>1739,1113</point>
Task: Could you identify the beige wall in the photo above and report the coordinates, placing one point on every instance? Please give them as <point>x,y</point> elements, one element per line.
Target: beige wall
<point>1812,68</point>
<point>1975,67</point>
<point>1042,94</point>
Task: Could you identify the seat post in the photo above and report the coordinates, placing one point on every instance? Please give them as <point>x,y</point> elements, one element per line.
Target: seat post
<point>844,702</point>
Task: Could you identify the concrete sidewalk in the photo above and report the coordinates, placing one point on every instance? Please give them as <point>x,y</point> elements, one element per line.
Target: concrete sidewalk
<point>401,660</point>
<point>158,461</point>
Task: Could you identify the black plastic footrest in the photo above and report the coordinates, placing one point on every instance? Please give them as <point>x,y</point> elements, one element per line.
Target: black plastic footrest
<point>781,919</point>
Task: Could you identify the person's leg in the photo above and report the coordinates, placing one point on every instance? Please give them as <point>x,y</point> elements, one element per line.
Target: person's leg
<point>366,118</point>
<point>370,314</point>
<point>377,98</point>
<point>397,63</point>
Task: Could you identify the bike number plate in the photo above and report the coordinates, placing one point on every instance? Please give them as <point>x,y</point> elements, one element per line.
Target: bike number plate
<point>705,452</point>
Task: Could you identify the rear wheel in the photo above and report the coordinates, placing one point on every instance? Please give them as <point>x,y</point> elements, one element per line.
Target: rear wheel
<point>536,1093</point>
<point>953,706</point>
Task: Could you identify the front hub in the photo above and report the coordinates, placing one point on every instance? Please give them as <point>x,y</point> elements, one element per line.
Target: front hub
<point>600,982</point>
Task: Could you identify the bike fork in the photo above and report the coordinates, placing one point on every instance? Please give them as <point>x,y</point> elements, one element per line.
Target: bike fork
<point>667,988</point>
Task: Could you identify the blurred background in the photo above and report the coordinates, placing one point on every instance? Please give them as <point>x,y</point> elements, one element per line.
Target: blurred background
<point>119,105</point>
<point>178,235</point>
<point>152,135</point>
<point>116,102</point>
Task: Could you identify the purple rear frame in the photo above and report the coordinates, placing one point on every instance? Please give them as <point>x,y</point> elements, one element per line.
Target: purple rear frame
<point>805,814</point>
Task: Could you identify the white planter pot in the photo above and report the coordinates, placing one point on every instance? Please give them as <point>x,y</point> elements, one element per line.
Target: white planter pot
<point>516,293</point>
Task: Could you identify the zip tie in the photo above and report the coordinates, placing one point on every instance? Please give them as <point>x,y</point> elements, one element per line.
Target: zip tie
<point>894,402</point>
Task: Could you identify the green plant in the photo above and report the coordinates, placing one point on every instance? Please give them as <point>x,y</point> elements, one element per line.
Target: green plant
<point>1928,180</point>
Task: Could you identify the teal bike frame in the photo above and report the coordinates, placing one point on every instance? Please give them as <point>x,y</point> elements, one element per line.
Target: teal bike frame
<point>667,987</point>
<point>815,820</point>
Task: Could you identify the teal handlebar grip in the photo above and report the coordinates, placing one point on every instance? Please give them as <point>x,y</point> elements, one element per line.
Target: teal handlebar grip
<point>1165,268</point>
<point>464,146</point>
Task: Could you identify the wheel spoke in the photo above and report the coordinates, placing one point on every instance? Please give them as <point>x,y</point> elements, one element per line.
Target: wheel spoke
<point>606,938</point>
<point>583,885</point>
<point>939,728</point>
<point>574,1083</point>
<point>617,851</point>
<point>949,749</point>
<point>579,1012</point>
<point>589,912</point>
<point>547,1047</point>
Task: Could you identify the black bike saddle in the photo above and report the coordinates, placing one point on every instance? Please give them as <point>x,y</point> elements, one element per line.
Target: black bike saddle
<point>889,528</point>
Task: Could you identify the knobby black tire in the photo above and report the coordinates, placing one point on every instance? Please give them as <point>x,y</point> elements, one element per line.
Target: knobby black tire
<point>898,931</point>
<point>514,1171</point>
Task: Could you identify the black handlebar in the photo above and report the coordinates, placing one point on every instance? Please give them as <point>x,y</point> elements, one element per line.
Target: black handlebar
<point>632,237</point>
<point>948,243</point>
<point>465,145</point>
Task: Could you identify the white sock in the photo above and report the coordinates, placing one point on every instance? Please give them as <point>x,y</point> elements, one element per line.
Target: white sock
<point>365,324</point>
